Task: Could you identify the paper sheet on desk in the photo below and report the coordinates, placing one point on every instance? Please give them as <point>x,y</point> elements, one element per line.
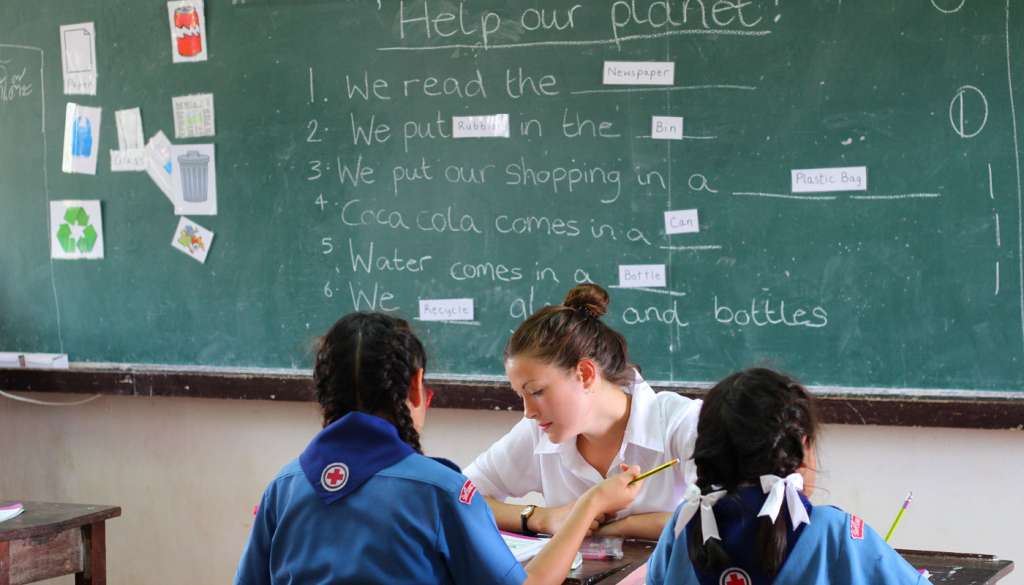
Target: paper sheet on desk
<point>523,548</point>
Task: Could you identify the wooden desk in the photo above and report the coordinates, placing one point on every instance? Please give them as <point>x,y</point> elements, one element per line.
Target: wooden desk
<point>946,568</point>
<point>49,540</point>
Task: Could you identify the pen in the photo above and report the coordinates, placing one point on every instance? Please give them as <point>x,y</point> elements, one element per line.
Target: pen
<point>903,508</point>
<point>651,472</point>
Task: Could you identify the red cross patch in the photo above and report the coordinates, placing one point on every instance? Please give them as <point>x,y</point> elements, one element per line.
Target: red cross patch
<point>856,528</point>
<point>735,577</point>
<point>334,477</point>
<point>467,492</point>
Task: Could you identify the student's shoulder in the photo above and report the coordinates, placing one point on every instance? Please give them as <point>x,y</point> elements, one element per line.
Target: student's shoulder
<point>839,523</point>
<point>288,473</point>
<point>438,474</point>
<point>831,515</point>
<point>857,549</point>
<point>290,482</point>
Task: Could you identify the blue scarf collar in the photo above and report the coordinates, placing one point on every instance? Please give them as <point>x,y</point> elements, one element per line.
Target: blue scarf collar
<point>737,523</point>
<point>348,452</point>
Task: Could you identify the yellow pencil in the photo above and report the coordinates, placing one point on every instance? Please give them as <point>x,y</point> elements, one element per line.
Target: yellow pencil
<point>651,472</point>
<point>899,515</point>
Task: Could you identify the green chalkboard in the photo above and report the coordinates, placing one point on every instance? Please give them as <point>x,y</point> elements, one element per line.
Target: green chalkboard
<point>340,186</point>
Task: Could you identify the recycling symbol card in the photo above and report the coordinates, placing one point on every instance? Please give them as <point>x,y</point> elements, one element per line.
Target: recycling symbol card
<point>76,230</point>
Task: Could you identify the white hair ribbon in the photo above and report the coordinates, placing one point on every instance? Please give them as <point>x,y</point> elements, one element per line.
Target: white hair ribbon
<point>779,489</point>
<point>694,500</point>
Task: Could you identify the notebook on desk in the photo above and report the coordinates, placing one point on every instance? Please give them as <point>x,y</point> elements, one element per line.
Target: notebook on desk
<point>9,511</point>
<point>523,547</point>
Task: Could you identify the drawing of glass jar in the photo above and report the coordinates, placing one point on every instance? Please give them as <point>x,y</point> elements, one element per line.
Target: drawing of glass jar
<point>81,138</point>
<point>193,168</point>
<point>187,32</point>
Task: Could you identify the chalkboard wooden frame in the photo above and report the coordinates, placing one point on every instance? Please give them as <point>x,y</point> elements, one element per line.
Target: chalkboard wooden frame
<point>939,410</point>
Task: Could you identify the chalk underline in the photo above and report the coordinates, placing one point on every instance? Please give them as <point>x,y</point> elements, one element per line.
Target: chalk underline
<point>614,41</point>
<point>671,293</point>
<point>697,248</point>
<point>666,88</point>
<point>894,196</point>
<point>449,322</point>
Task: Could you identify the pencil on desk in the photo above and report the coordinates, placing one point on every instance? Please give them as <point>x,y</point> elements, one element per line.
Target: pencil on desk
<point>651,472</point>
<point>903,508</point>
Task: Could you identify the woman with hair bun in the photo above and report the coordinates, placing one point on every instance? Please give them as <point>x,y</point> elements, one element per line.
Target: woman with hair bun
<point>586,410</point>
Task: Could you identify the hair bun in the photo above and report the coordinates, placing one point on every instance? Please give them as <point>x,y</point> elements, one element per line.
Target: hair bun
<point>589,298</point>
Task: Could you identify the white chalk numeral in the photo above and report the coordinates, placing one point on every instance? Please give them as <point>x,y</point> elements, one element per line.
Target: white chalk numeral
<point>314,167</point>
<point>313,126</point>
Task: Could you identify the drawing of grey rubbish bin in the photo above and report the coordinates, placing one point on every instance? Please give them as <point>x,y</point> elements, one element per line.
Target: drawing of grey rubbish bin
<point>193,167</point>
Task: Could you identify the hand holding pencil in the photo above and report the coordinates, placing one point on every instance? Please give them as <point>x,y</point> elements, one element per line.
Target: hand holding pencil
<point>616,492</point>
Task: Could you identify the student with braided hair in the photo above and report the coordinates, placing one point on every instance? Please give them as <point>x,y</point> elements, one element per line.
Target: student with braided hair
<point>362,505</point>
<point>747,520</point>
<point>586,410</point>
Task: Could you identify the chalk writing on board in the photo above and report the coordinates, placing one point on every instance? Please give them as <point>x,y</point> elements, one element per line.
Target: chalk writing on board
<point>638,315</point>
<point>953,6</point>
<point>378,299</point>
<point>389,159</point>
<point>764,311</point>
<point>964,124</point>
<point>460,27</point>
<point>365,259</point>
<point>996,223</point>
<point>493,271</point>
<point>518,84</point>
<point>12,83</point>
<point>698,182</point>
<point>576,127</point>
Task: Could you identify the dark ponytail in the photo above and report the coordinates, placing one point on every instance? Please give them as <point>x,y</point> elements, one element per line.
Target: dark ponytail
<point>365,363</point>
<point>562,335</point>
<point>753,423</point>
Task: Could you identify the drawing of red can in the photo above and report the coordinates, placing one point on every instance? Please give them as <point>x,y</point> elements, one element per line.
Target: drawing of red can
<point>187,31</point>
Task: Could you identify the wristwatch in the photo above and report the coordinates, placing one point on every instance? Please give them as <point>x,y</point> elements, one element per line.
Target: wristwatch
<point>524,516</point>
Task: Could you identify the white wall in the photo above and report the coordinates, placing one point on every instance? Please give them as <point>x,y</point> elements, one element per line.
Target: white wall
<point>187,473</point>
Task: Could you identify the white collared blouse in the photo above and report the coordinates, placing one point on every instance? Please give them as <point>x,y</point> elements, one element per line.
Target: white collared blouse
<point>661,426</point>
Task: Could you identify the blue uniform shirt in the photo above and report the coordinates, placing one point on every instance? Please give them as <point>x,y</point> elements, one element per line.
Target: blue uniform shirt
<point>359,506</point>
<point>836,548</point>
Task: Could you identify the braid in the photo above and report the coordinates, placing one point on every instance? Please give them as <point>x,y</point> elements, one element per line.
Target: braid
<point>328,375</point>
<point>366,363</point>
<point>392,370</point>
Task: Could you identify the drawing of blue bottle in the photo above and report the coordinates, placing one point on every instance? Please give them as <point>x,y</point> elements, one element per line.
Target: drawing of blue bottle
<point>81,140</point>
